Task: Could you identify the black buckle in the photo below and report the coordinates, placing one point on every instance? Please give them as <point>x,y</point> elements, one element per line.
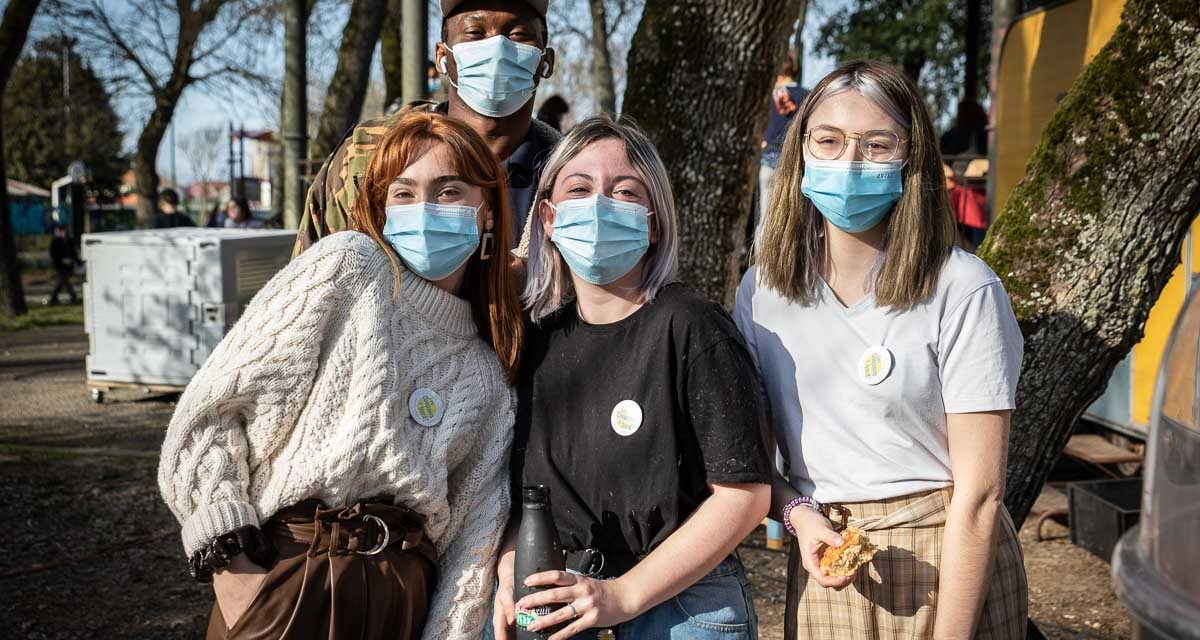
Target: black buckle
<point>591,563</point>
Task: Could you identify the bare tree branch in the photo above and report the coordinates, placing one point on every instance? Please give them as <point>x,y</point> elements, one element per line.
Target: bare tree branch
<point>100,17</point>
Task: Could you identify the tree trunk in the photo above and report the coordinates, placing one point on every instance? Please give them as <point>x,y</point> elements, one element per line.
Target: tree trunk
<point>145,158</point>
<point>912,64</point>
<point>348,87</point>
<point>602,73</point>
<point>295,110</point>
<point>392,53</point>
<point>1092,233</point>
<point>15,26</point>
<point>166,98</point>
<point>700,72</point>
<point>799,44</point>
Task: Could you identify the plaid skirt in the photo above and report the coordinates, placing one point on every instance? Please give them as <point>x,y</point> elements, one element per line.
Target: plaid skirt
<point>895,596</point>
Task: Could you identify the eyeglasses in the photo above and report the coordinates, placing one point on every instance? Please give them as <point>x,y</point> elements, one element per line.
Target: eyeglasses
<point>829,143</point>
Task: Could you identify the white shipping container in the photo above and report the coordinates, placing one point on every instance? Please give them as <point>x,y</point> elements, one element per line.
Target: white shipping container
<point>156,302</point>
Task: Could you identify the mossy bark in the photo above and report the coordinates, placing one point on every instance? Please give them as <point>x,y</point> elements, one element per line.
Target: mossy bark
<point>700,74</point>
<point>1092,233</point>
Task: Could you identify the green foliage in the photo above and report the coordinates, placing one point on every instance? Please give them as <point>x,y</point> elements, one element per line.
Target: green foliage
<point>40,141</point>
<point>925,38</point>
<point>44,316</point>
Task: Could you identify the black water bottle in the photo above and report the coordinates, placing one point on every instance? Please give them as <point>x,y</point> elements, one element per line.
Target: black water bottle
<point>538,549</point>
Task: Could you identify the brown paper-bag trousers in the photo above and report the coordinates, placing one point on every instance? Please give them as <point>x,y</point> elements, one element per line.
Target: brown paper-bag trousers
<point>323,586</point>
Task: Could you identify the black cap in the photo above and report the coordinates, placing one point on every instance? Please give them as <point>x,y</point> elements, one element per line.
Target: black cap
<point>536,493</point>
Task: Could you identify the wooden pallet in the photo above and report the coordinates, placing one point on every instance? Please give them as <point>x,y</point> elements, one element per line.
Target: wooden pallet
<point>99,387</point>
<point>1099,453</point>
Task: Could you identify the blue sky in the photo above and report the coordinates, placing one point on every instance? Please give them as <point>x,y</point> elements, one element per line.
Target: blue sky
<point>203,107</point>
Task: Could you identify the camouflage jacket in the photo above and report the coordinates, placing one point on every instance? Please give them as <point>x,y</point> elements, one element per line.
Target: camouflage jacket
<point>335,187</point>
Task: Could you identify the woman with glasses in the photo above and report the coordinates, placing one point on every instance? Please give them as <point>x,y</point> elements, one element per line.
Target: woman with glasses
<point>637,406</point>
<point>891,361</point>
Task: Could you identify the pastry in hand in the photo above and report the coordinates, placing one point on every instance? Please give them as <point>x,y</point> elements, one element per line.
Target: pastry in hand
<point>856,550</point>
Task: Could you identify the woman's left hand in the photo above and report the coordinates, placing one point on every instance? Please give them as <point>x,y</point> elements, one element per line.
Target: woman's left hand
<point>586,602</point>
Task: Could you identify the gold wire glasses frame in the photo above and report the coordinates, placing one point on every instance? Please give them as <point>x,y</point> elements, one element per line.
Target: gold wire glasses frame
<point>829,143</point>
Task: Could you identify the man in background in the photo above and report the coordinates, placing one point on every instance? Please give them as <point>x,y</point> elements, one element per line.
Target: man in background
<point>169,215</point>
<point>785,102</point>
<point>64,259</point>
<point>493,35</point>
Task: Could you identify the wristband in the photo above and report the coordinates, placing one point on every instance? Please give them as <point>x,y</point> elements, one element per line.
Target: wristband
<point>796,502</point>
<point>221,549</point>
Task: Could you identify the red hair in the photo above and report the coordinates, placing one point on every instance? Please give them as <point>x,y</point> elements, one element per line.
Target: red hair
<point>488,284</point>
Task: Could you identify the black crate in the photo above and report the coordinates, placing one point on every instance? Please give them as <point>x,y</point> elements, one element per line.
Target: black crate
<point>1102,510</point>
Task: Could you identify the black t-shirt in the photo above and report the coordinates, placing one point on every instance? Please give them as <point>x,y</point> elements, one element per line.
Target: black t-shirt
<point>627,423</point>
<point>165,220</point>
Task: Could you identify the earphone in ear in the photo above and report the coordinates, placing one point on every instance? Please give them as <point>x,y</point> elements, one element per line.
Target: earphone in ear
<point>442,63</point>
<point>544,69</point>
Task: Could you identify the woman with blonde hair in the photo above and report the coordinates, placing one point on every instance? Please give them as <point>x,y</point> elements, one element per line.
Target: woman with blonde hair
<point>891,361</point>
<point>638,407</point>
<point>338,463</point>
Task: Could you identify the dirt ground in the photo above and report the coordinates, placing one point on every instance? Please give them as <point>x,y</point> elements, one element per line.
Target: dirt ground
<point>90,551</point>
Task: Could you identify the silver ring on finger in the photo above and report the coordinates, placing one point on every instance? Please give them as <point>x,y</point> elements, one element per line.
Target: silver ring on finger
<point>574,613</point>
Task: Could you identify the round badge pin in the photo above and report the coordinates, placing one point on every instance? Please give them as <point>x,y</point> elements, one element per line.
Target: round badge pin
<point>875,365</point>
<point>426,407</point>
<point>626,418</point>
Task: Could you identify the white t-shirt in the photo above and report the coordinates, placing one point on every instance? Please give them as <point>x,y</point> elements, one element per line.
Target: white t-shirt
<point>850,441</point>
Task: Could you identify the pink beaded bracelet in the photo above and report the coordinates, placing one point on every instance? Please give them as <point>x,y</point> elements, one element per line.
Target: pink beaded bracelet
<point>787,511</point>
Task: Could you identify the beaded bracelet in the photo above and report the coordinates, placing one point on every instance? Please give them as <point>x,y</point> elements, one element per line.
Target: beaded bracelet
<point>787,511</point>
<point>220,551</point>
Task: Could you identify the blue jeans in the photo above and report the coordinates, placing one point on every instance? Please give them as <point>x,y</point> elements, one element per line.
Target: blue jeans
<point>717,607</point>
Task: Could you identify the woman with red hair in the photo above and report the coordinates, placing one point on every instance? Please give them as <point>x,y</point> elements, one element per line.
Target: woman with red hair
<point>338,464</point>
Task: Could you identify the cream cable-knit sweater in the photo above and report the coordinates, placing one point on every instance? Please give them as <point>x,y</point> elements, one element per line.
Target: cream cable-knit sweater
<point>308,396</point>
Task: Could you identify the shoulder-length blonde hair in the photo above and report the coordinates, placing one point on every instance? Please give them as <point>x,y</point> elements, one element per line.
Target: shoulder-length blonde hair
<point>548,283</point>
<point>488,284</point>
<point>920,229</point>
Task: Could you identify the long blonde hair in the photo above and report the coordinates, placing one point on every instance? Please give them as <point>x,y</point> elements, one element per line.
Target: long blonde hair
<point>920,229</point>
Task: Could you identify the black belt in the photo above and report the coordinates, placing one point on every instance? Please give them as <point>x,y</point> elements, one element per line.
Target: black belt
<point>594,563</point>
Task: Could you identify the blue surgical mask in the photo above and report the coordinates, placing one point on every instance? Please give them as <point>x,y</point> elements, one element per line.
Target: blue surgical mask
<point>432,239</point>
<point>495,76</point>
<point>853,196</point>
<point>600,238</point>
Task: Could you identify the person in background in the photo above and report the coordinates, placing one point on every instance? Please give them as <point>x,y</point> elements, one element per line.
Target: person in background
<point>637,405</point>
<point>968,136</point>
<point>970,210</point>
<point>891,361</point>
<point>216,217</point>
<point>238,216</point>
<point>786,96</point>
<point>492,56</point>
<point>553,111</point>
<point>169,214</point>
<point>64,260</point>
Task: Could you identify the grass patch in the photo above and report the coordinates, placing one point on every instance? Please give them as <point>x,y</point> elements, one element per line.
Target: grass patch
<point>44,316</point>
